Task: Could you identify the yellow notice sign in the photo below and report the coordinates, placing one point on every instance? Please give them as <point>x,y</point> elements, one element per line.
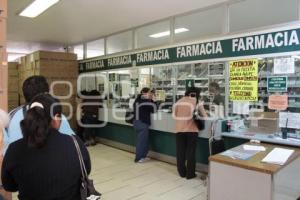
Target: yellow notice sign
<point>243,80</point>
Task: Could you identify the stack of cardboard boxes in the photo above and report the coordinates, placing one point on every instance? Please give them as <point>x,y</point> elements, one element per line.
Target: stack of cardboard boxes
<point>13,86</point>
<point>61,71</point>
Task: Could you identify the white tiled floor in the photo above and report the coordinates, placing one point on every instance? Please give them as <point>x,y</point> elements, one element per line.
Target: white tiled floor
<point>117,177</point>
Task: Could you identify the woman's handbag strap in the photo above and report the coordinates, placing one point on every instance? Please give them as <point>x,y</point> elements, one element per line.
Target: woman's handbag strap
<point>82,165</point>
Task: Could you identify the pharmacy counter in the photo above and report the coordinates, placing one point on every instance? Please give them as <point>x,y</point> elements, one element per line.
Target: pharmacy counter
<point>234,179</point>
<point>161,121</point>
<point>263,137</point>
<point>121,135</point>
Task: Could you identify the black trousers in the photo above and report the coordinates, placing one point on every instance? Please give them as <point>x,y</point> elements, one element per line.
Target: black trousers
<point>186,144</point>
<point>89,133</point>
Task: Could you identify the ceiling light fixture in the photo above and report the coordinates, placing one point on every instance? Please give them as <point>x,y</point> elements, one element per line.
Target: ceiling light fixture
<point>166,33</point>
<point>37,7</point>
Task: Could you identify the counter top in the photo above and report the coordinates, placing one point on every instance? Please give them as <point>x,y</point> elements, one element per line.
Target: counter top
<point>160,121</point>
<point>271,138</point>
<point>254,163</point>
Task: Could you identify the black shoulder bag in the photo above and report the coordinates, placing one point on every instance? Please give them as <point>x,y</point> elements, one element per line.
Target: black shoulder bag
<point>87,188</point>
<point>198,118</point>
<point>129,116</point>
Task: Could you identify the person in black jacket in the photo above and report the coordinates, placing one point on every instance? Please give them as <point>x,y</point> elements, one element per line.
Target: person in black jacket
<point>143,107</point>
<point>90,116</point>
<point>44,164</point>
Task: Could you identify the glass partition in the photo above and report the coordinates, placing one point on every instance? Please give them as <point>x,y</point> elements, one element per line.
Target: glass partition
<point>162,81</point>
<point>196,25</point>
<point>78,49</point>
<point>95,48</point>
<point>120,42</point>
<point>153,35</point>
<point>258,13</point>
<point>120,89</point>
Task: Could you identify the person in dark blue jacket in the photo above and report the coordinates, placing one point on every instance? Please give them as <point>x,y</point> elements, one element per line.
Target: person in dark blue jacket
<point>143,106</point>
<point>44,163</point>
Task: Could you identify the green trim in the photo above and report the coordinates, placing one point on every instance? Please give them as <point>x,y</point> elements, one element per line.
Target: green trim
<point>160,142</point>
<point>256,44</point>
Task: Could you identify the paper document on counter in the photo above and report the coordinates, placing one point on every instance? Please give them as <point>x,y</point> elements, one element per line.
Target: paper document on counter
<point>253,148</point>
<point>237,154</point>
<point>278,156</point>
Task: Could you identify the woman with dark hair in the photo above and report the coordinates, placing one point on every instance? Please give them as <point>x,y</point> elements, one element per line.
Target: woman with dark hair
<point>187,132</point>
<point>143,107</point>
<point>44,164</point>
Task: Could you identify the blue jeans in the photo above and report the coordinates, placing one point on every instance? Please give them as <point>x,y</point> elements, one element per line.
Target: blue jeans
<point>142,144</point>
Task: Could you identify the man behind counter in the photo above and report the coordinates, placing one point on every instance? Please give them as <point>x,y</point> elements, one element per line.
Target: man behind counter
<point>214,97</point>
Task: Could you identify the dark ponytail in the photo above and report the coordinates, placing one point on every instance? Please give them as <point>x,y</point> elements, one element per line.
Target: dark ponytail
<point>35,127</point>
<point>37,121</point>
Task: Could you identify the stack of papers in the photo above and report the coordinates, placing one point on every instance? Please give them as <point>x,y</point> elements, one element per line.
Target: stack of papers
<point>253,148</point>
<point>237,155</point>
<point>278,156</point>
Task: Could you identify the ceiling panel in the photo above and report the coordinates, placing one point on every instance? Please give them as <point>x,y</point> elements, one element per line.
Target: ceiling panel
<point>74,21</point>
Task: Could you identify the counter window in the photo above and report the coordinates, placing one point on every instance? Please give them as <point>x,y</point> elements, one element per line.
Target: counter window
<point>278,104</point>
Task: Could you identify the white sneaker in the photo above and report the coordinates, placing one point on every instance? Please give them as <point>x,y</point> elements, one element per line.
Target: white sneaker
<point>147,159</point>
<point>142,160</point>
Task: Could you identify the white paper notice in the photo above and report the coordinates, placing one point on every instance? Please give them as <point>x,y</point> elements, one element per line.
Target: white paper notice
<point>284,65</point>
<point>289,120</point>
<point>253,148</point>
<point>241,108</point>
<point>278,156</point>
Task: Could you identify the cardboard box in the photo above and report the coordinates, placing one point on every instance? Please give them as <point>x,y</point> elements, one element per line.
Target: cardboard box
<point>3,8</point>
<point>13,80</point>
<point>63,89</point>
<point>13,65</point>
<point>264,121</point>
<point>48,55</point>
<point>14,73</point>
<point>13,96</point>
<point>22,99</point>
<point>13,84</point>
<point>12,105</point>
<point>54,68</point>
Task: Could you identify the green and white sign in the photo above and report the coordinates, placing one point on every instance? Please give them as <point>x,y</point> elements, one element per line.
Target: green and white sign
<point>134,82</point>
<point>189,83</point>
<point>277,84</point>
<point>266,43</point>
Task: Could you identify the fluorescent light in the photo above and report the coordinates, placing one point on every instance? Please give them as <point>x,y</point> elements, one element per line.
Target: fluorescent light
<point>161,34</point>
<point>166,33</point>
<point>37,7</point>
<point>181,30</point>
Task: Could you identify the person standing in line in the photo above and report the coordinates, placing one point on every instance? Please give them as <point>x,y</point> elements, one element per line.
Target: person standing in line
<point>143,107</point>
<point>90,117</point>
<point>187,132</point>
<point>44,164</point>
<point>32,87</point>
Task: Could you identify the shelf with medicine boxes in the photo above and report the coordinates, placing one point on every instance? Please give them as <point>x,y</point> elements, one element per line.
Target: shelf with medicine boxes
<point>266,70</point>
<point>202,74</point>
<point>162,83</point>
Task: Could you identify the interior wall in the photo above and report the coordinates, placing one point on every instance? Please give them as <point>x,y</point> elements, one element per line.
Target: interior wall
<point>3,55</point>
